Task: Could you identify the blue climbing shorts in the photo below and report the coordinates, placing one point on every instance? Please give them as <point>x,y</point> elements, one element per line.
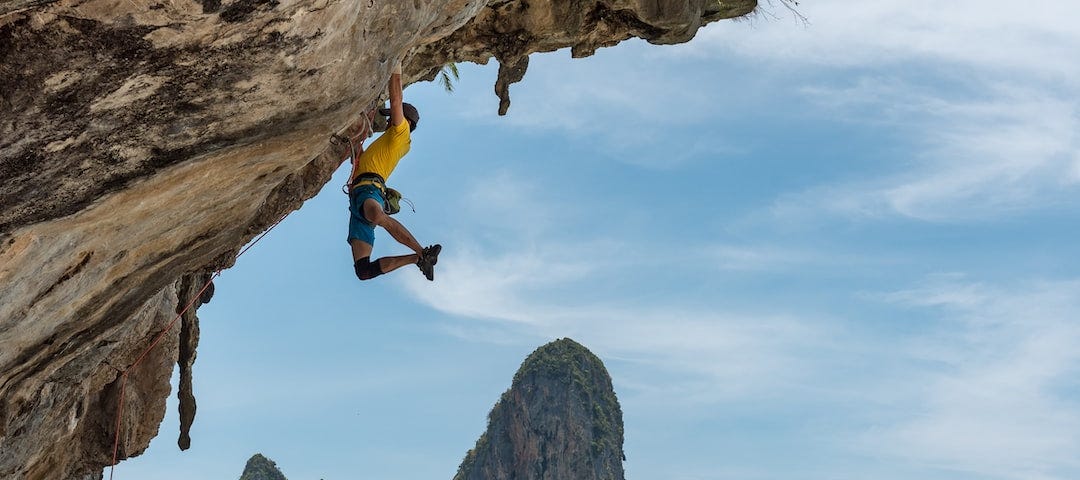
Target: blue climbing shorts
<point>359,227</point>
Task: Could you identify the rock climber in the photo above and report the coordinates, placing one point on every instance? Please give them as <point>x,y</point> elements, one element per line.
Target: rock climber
<point>367,194</point>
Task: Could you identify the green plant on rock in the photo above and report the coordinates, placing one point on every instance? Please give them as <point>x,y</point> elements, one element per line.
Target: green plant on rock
<point>766,11</point>
<point>448,74</point>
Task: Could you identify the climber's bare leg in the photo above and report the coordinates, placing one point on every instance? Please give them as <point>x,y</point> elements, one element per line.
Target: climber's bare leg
<point>389,264</point>
<point>361,249</point>
<point>374,213</point>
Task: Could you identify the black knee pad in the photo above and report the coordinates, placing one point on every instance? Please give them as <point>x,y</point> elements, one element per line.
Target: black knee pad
<point>366,269</point>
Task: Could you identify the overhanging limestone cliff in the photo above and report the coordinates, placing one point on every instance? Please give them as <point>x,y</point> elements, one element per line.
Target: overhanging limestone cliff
<point>143,142</point>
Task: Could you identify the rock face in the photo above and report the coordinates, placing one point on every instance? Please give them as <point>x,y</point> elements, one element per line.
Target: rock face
<point>261,468</point>
<point>559,420</point>
<point>143,142</point>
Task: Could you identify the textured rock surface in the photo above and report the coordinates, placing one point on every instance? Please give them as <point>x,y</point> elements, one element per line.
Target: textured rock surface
<point>143,142</point>
<point>560,419</point>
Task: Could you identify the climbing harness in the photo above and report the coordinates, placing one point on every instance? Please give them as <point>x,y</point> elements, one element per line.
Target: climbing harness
<point>391,196</point>
<point>161,336</point>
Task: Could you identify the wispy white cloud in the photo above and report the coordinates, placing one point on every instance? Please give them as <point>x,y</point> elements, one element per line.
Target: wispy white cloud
<point>764,257</point>
<point>993,36</point>
<point>511,208</point>
<point>472,284</point>
<point>993,405</point>
<point>980,391</point>
<point>710,353</point>
<point>527,289</point>
<point>976,158</point>
<point>985,92</point>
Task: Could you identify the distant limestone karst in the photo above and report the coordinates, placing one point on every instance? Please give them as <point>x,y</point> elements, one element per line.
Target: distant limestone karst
<point>261,468</point>
<point>559,420</point>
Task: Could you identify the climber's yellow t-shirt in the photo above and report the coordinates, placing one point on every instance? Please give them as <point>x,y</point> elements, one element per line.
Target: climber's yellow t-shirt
<point>383,154</point>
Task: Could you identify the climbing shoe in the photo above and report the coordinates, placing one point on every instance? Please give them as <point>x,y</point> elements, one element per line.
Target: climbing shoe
<point>432,253</point>
<point>429,256</point>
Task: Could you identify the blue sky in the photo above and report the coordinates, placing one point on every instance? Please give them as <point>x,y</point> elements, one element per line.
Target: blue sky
<point>840,250</point>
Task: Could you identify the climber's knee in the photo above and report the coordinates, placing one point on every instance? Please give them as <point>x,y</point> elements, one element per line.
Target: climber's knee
<point>366,269</point>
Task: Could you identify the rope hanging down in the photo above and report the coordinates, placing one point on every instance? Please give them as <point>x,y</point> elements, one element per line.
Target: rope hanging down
<point>161,336</point>
<point>363,129</point>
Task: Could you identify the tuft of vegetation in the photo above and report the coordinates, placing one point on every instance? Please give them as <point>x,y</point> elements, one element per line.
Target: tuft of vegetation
<point>448,74</point>
<point>767,12</point>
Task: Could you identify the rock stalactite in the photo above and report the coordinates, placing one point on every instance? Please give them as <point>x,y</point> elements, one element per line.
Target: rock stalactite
<point>194,292</point>
<point>509,73</point>
<point>143,142</point>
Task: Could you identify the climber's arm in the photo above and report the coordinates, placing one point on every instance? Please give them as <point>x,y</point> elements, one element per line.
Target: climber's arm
<point>396,114</point>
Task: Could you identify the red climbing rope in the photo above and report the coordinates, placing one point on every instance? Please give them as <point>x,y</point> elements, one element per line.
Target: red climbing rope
<point>161,336</point>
